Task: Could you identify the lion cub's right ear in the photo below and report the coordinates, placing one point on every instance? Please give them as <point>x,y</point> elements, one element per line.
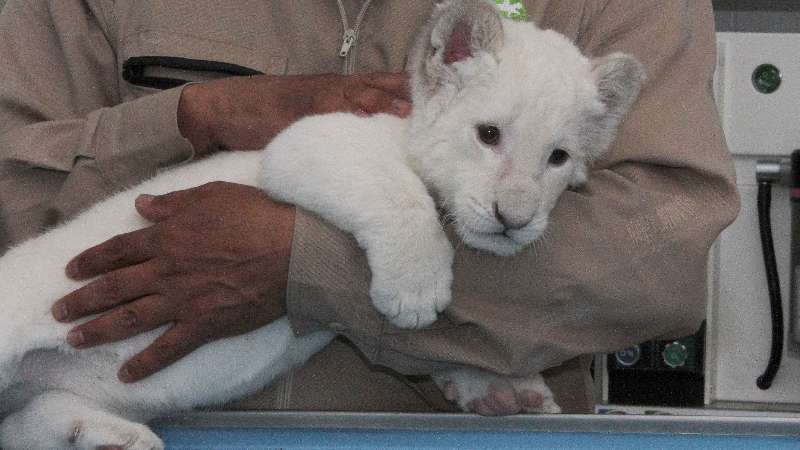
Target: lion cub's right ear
<point>450,49</point>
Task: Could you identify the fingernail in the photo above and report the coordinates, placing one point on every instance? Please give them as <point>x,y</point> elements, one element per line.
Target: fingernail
<point>75,338</point>
<point>401,108</point>
<point>125,376</point>
<point>144,200</point>
<point>72,269</point>
<point>60,312</point>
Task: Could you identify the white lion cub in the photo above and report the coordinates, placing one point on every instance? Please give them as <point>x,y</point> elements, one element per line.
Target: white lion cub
<point>506,117</point>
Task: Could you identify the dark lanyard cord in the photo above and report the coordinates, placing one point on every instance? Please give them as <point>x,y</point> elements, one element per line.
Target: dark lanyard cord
<point>773,284</point>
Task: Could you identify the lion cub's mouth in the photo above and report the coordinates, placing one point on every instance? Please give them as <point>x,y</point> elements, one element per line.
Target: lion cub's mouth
<point>502,241</point>
<point>494,242</point>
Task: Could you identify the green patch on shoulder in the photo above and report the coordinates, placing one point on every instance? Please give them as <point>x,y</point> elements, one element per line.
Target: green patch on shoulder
<point>513,9</point>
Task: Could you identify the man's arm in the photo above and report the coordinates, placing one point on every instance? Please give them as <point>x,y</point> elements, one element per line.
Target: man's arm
<point>624,258</point>
<point>66,140</point>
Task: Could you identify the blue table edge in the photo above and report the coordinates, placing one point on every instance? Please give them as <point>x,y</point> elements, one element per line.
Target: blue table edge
<point>624,424</point>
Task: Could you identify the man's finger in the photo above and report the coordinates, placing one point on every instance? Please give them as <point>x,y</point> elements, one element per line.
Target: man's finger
<point>395,84</point>
<point>120,251</point>
<point>174,344</point>
<point>123,322</point>
<point>375,101</point>
<point>112,289</point>
<point>157,208</point>
<point>334,103</point>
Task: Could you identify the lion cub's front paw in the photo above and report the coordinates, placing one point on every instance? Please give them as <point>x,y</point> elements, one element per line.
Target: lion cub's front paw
<point>411,279</point>
<point>412,300</point>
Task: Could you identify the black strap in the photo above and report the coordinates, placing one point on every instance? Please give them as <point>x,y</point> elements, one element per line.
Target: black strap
<point>133,70</point>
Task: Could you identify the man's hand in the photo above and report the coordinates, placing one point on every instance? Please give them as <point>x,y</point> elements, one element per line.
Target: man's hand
<point>245,113</point>
<point>214,264</point>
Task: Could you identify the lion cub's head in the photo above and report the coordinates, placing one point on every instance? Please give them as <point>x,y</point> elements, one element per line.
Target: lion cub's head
<point>506,117</point>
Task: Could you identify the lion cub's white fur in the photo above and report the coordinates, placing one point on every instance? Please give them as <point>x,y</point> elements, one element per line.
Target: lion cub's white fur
<point>374,177</point>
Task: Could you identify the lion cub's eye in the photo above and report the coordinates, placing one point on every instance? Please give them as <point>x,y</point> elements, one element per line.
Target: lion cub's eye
<point>558,157</point>
<point>489,134</point>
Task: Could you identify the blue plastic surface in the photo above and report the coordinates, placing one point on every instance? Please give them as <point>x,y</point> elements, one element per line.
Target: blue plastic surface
<point>265,438</point>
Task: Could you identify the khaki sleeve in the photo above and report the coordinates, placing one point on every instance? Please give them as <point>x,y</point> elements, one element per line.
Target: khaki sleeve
<point>66,138</point>
<point>624,258</point>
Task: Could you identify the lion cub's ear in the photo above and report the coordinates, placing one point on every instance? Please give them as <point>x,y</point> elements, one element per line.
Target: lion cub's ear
<point>619,78</point>
<point>448,49</point>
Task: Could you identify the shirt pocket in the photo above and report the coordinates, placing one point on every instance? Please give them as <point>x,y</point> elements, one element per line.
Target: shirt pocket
<point>154,60</point>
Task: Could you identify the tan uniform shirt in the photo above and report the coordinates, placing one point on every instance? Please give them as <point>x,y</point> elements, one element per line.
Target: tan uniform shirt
<point>623,260</point>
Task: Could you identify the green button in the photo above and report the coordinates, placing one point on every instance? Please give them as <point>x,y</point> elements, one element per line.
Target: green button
<point>675,354</point>
<point>767,78</point>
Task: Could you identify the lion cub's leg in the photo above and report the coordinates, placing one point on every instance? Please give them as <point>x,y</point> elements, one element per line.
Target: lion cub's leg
<point>30,287</point>
<point>411,262</point>
<point>353,172</point>
<point>59,419</point>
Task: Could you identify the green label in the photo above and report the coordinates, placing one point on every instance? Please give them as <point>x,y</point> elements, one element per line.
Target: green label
<point>513,9</point>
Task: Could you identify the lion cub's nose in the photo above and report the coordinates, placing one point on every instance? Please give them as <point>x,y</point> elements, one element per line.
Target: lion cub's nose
<point>510,220</point>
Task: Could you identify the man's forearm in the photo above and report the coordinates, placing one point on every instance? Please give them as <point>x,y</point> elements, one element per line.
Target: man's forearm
<point>245,113</point>
<point>87,158</point>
